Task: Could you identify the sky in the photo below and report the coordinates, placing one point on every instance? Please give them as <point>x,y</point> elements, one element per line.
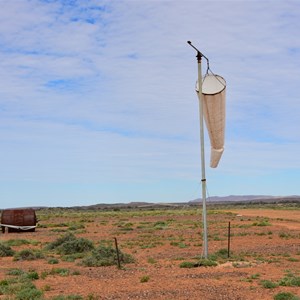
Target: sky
<point>98,102</point>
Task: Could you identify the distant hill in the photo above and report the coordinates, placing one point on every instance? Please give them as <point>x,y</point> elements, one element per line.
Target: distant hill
<point>233,199</point>
<point>248,198</point>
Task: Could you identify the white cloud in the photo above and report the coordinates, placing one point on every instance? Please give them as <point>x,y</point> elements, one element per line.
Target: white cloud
<point>104,92</point>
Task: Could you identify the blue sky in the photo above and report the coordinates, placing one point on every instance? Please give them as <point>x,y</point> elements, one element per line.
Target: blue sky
<point>97,100</point>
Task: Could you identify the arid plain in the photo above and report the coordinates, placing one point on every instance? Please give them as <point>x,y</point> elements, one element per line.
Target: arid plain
<point>165,248</point>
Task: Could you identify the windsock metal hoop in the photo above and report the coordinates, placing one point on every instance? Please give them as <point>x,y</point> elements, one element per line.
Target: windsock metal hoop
<point>213,84</point>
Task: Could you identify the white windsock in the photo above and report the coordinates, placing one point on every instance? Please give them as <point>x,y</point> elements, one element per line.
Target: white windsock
<point>213,95</point>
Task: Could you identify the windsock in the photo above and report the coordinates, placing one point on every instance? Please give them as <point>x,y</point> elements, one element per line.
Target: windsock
<point>214,98</point>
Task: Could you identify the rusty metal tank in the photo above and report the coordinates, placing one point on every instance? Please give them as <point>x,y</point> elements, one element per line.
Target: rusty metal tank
<point>21,218</point>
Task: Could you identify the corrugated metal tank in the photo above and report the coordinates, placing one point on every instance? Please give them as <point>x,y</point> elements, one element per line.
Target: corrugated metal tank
<point>18,217</point>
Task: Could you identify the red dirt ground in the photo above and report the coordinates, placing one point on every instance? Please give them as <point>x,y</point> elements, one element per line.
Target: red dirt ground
<point>268,249</point>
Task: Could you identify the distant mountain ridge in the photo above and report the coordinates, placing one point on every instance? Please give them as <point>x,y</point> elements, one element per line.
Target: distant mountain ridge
<point>245,198</point>
<point>232,199</point>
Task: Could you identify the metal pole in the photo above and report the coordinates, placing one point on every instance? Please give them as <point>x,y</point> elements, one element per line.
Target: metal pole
<point>228,240</point>
<point>203,179</point>
<point>118,255</point>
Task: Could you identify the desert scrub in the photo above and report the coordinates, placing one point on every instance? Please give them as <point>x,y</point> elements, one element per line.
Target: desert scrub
<point>21,287</point>
<point>293,259</point>
<point>255,276</point>
<point>69,244</point>
<point>160,225</point>
<point>105,256</point>
<point>28,254</point>
<point>6,250</point>
<point>53,261</point>
<point>19,242</point>
<point>15,272</point>
<point>151,260</point>
<point>222,253</point>
<point>180,244</point>
<point>290,280</point>
<point>286,296</point>
<point>268,284</point>
<point>76,226</point>
<point>145,278</point>
<point>60,272</point>
<point>31,274</point>
<point>61,240</point>
<point>72,257</point>
<point>200,263</point>
<point>187,264</point>
<point>219,255</point>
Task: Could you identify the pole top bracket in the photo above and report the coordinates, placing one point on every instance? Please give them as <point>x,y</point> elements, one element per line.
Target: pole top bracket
<point>199,54</point>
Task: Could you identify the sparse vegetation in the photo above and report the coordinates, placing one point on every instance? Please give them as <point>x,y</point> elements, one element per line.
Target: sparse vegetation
<point>6,250</point>
<point>145,278</point>
<point>162,240</point>
<point>268,284</point>
<point>53,261</point>
<point>290,279</point>
<point>69,244</point>
<point>262,223</point>
<point>19,242</point>
<point>28,254</point>
<point>151,260</point>
<point>199,263</point>
<point>286,296</point>
<point>20,287</point>
<point>105,256</point>
<point>60,271</point>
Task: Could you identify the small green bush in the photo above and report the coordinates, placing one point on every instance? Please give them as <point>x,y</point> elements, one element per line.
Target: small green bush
<point>255,276</point>
<point>76,226</point>
<point>28,254</point>
<point>284,235</point>
<point>69,244</point>
<point>76,246</point>
<point>15,272</point>
<point>268,284</point>
<point>21,287</point>
<point>32,275</point>
<point>29,293</point>
<point>262,223</point>
<point>105,256</point>
<point>206,263</point>
<point>151,260</point>
<point>145,278</point>
<point>290,280</point>
<point>60,271</point>
<point>63,239</point>
<point>17,242</point>
<point>6,250</point>
<point>72,257</point>
<point>4,286</point>
<point>160,225</point>
<point>53,261</point>
<point>200,263</point>
<point>286,296</point>
<point>222,253</point>
<point>187,264</point>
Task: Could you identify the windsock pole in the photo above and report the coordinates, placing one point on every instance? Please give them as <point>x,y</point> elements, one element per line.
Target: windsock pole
<point>203,179</point>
